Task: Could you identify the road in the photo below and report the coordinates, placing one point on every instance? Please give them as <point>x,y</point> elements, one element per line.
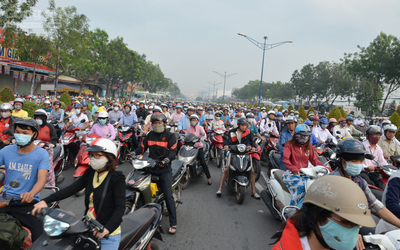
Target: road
<point>204,220</point>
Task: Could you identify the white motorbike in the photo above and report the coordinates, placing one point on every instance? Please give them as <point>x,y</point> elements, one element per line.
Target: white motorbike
<point>277,196</point>
<point>387,241</point>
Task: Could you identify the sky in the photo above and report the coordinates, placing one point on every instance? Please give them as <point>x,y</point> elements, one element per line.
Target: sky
<point>191,39</point>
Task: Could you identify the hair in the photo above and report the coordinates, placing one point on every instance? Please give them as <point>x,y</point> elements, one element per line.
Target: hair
<point>349,157</point>
<point>114,163</point>
<point>307,145</point>
<point>300,221</point>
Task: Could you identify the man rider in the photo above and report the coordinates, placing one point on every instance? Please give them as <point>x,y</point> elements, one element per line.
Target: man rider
<point>209,116</point>
<point>175,117</point>
<point>76,119</point>
<point>387,142</point>
<point>351,128</point>
<point>280,121</point>
<point>47,107</point>
<point>285,115</point>
<point>18,105</point>
<point>85,111</point>
<point>129,119</point>
<point>184,122</point>
<point>322,133</point>
<point>71,106</point>
<point>115,114</point>
<point>6,122</point>
<point>225,116</point>
<point>141,112</point>
<point>341,127</point>
<point>285,136</point>
<point>156,141</point>
<point>267,126</point>
<point>239,135</point>
<point>359,121</point>
<point>27,164</point>
<point>94,107</point>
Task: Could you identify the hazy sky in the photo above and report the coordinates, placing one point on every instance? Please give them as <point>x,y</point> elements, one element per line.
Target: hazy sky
<point>190,39</point>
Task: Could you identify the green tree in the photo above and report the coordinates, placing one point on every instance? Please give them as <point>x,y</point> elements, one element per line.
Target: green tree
<point>311,109</point>
<point>395,119</point>
<point>392,108</point>
<point>335,113</point>
<point>30,107</point>
<point>290,108</point>
<point>6,94</point>
<point>281,108</point>
<point>342,113</point>
<point>302,113</point>
<point>199,98</point>
<point>65,98</point>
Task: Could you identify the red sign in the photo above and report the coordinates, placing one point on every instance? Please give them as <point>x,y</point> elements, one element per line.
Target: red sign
<point>115,87</point>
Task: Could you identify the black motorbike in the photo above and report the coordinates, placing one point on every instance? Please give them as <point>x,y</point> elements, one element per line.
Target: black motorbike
<point>239,172</point>
<point>188,154</point>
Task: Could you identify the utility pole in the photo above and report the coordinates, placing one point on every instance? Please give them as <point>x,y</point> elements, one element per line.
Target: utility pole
<point>215,91</point>
<point>224,76</point>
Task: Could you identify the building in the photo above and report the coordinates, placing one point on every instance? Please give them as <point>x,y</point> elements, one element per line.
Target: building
<point>220,93</point>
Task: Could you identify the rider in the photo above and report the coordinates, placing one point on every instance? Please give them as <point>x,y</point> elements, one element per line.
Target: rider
<point>27,164</point>
<point>286,136</point>
<point>78,117</point>
<point>351,128</point>
<point>239,135</point>
<point>6,122</point>
<point>267,126</point>
<point>280,122</point>
<point>296,154</point>
<point>285,114</point>
<point>387,142</point>
<point>18,105</point>
<point>359,121</point>
<point>165,110</point>
<point>184,122</point>
<point>209,116</point>
<point>115,114</point>
<point>103,127</point>
<point>103,166</point>
<point>225,116</point>
<point>321,132</point>
<point>198,131</point>
<point>47,107</point>
<point>156,140</point>
<point>332,124</point>
<point>344,132</point>
<point>71,106</point>
<point>217,123</point>
<point>175,117</point>
<point>57,115</point>
<point>327,221</point>
<point>85,111</point>
<point>252,127</point>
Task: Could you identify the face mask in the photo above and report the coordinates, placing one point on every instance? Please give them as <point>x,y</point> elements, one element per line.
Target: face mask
<point>77,111</point>
<point>97,164</point>
<point>5,114</point>
<point>185,109</point>
<point>373,140</point>
<point>116,108</point>
<point>158,128</point>
<point>296,116</point>
<point>22,140</point>
<point>92,103</point>
<point>102,122</point>
<point>127,110</point>
<point>217,118</point>
<point>279,118</point>
<point>250,120</point>
<point>193,123</point>
<point>324,126</point>
<point>301,139</point>
<point>18,107</point>
<point>353,169</point>
<point>339,237</point>
<point>39,121</point>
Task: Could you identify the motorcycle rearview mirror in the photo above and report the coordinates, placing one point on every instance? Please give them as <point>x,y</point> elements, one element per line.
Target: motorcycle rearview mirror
<point>338,132</point>
<point>8,132</point>
<point>289,211</point>
<point>13,184</point>
<point>369,157</point>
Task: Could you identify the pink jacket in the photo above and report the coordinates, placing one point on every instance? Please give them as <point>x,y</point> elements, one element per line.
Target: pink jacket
<point>199,132</point>
<point>295,157</point>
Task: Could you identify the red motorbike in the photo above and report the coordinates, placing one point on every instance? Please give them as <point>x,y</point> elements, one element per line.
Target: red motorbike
<point>272,144</point>
<point>70,142</point>
<point>255,158</point>
<point>217,144</point>
<point>58,159</point>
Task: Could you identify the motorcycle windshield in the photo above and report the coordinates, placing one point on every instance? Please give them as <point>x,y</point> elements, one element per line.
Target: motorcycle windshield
<point>188,151</point>
<point>134,177</point>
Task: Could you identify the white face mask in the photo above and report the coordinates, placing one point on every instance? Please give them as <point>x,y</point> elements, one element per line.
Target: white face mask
<point>116,108</point>
<point>97,164</point>
<point>5,114</point>
<point>127,110</point>
<point>217,118</point>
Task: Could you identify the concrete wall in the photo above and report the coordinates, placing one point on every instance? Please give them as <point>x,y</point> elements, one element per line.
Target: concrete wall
<point>22,87</point>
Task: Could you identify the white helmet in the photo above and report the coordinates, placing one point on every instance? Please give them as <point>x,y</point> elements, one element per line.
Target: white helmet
<point>193,117</point>
<point>157,108</point>
<point>47,102</point>
<point>103,145</point>
<point>390,127</point>
<point>103,114</point>
<point>271,112</point>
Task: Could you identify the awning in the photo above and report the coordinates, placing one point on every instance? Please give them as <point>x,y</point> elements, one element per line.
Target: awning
<point>72,88</point>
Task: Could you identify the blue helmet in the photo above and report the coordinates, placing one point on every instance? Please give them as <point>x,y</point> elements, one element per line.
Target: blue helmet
<point>85,104</point>
<point>178,106</point>
<point>349,118</point>
<point>303,129</point>
<point>279,113</point>
<point>324,121</point>
<point>308,122</point>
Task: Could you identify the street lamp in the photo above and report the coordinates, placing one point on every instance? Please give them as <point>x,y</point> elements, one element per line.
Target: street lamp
<point>224,76</point>
<point>264,46</point>
<point>215,84</point>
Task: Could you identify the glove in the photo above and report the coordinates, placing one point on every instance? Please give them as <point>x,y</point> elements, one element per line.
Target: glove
<point>167,161</point>
<point>51,145</point>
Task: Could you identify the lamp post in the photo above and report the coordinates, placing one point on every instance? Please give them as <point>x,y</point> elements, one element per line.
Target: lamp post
<point>264,46</point>
<point>215,91</point>
<point>224,76</point>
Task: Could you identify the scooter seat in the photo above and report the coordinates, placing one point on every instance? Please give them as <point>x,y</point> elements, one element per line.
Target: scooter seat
<point>2,177</point>
<point>177,167</point>
<point>56,152</point>
<point>278,176</point>
<point>134,226</point>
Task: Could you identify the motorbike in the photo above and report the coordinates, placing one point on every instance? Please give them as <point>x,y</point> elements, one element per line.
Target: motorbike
<point>276,195</point>
<point>255,158</point>
<point>188,154</point>
<point>125,133</point>
<point>272,144</point>
<point>217,144</point>
<point>71,143</point>
<point>64,230</point>
<point>239,172</point>
<point>385,241</point>
<point>142,187</point>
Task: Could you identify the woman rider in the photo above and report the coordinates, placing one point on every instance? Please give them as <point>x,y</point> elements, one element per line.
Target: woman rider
<point>103,128</point>
<point>198,131</point>
<point>333,209</point>
<point>296,154</point>
<point>103,162</point>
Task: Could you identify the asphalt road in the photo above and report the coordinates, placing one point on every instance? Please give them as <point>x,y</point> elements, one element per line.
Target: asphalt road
<point>204,220</point>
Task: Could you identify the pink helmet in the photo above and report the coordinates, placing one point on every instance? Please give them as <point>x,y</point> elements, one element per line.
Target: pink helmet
<point>332,120</point>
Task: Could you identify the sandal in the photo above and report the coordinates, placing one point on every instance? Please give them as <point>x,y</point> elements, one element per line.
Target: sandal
<point>172,228</point>
<point>256,196</point>
<point>218,193</point>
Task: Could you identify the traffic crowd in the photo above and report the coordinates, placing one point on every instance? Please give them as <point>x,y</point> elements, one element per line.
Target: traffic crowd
<point>323,221</point>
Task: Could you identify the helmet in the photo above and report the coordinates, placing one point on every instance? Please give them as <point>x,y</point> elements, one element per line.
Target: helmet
<point>191,108</point>
<point>342,120</point>
<point>385,122</point>
<point>350,146</point>
<point>57,103</point>
<point>340,196</point>
<point>315,117</point>
<point>128,105</point>
<point>218,114</point>
<point>103,145</point>
<point>73,99</point>
<point>307,122</point>
<point>279,114</point>
<point>164,105</point>
<point>156,108</point>
<point>271,112</point>
<point>249,115</point>
<point>6,106</point>
<point>40,112</point>
<point>390,127</point>
<point>27,121</point>
<point>78,106</point>
<point>158,117</point>
<point>349,118</point>
<point>101,109</point>
<point>324,121</point>
<point>285,111</point>
<point>85,104</point>
<point>373,129</point>
<point>178,106</point>
<point>332,120</point>
<point>47,102</point>
<point>262,108</point>
<point>199,108</point>
<point>193,117</point>
<point>19,100</point>
<point>242,121</point>
<point>116,104</point>
<point>103,114</point>
<point>291,119</point>
<point>303,129</point>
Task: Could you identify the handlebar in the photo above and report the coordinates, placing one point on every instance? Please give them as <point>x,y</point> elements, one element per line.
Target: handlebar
<point>94,225</point>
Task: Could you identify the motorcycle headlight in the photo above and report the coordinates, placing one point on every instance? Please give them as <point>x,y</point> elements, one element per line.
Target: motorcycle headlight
<point>142,185</point>
<point>321,172</point>
<point>241,148</point>
<point>186,159</point>
<point>54,227</point>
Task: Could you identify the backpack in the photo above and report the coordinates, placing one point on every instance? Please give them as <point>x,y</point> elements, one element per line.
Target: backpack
<point>12,235</point>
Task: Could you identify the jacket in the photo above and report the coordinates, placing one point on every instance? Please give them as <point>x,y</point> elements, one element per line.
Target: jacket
<point>295,157</point>
<point>156,142</point>
<point>199,132</point>
<point>286,136</point>
<point>48,133</point>
<point>290,239</point>
<point>280,125</point>
<point>231,138</point>
<point>141,113</point>
<point>10,126</point>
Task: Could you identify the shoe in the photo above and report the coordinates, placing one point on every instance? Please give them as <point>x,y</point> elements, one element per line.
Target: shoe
<point>256,196</point>
<point>209,183</point>
<point>172,228</point>
<point>218,193</point>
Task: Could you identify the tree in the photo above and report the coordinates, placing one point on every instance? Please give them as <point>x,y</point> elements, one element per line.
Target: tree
<point>335,113</point>
<point>199,98</point>
<point>303,81</point>
<point>65,98</point>
<point>302,113</point>
<point>366,92</point>
<point>290,108</point>
<point>392,108</point>
<point>395,119</point>
<point>6,94</point>
<point>281,108</point>
<point>311,109</point>
<point>343,113</point>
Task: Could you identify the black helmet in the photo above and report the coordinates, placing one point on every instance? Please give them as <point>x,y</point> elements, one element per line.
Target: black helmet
<point>373,129</point>
<point>158,117</point>
<point>242,121</point>
<point>129,106</point>
<point>27,121</point>
<point>249,115</point>
<point>57,103</point>
<point>350,146</point>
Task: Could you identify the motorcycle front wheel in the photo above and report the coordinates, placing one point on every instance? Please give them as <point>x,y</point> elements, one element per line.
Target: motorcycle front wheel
<point>177,192</point>
<point>240,194</point>
<point>122,156</point>
<point>257,169</point>
<point>184,183</point>
<point>219,157</point>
